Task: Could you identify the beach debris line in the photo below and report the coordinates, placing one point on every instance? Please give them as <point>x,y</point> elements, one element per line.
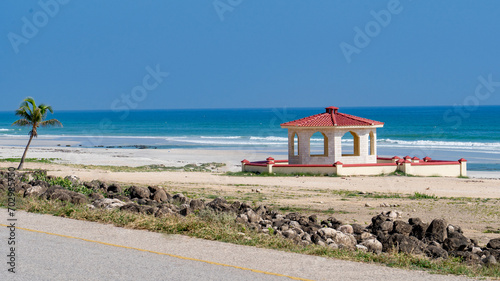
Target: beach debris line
<point>386,233</point>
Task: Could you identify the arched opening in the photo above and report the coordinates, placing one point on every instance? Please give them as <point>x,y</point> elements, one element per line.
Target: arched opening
<point>371,143</point>
<point>318,144</point>
<point>295,145</point>
<point>350,144</point>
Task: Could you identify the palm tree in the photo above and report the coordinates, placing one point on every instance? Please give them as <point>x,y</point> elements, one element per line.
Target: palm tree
<point>33,116</point>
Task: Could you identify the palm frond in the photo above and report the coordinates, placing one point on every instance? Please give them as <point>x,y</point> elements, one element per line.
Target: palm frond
<point>51,122</point>
<point>21,112</point>
<point>26,104</point>
<point>44,108</point>
<point>22,123</point>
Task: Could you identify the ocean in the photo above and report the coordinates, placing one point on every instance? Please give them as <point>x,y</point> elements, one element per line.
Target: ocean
<point>447,133</point>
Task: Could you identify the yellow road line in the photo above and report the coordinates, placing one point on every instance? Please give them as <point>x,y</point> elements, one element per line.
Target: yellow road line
<point>164,254</point>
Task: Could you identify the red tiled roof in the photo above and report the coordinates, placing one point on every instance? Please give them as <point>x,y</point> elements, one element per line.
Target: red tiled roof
<point>332,118</point>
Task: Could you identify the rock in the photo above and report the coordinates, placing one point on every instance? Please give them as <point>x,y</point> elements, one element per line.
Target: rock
<point>253,217</point>
<point>402,227</point>
<point>294,224</point>
<point>35,191</point>
<point>327,232</point>
<point>313,219</point>
<point>393,214</point>
<point>347,229</point>
<point>197,204</point>
<point>107,203</point>
<point>290,234</point>
<point>435,252</point>
<point>78,198</point>
<point>437,231</point>
<point>61,194</point>
<point>367,205</point>
<point>96,196</point>
<point>134,208</point>
<point>418,228</point>
<point>114,188</point>
<point>139,192</point>
<point>220,204</point>
<point>373,245</point>
<point>403,243</point>
<point>163,210</point>
<point>185,211</point>
<point>476,250</point>
<point>160,196</point>
<point>490,260</point>
<point>341,239</point>
<point>73,179</point>
<point>361,248</point>
<point>494,243</point>
<point>456,242</point>
<point>241,218</point>
<point>366,235</point>
<point>94,185</point>
<point>261,210</point>
<point>357,228</point>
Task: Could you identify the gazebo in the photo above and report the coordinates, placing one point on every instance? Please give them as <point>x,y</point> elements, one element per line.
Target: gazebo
<point>332,127</point>
<point>334,158</point>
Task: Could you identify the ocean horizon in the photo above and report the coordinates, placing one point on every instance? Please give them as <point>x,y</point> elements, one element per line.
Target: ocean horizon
<point>441,132</point>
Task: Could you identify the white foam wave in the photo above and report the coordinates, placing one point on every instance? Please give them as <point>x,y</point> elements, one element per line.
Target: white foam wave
<point>221,137</point>
<point>442,144</point>
<point>5,130</point>
<point>270,138</point>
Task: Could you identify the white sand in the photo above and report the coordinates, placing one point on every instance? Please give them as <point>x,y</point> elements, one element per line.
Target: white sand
<point>451,187</point>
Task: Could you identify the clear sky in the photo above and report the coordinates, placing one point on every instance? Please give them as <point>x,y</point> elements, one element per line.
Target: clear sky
<point>86,54</point>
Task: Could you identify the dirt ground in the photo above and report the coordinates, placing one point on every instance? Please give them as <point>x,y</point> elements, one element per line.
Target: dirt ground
<point>472,204</point>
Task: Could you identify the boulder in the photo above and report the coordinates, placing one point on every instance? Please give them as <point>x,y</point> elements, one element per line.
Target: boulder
<point>357,228</point>
<point>35,191</point>
<point>220,204</point>
<point>241,218</point>
<point>78,198</point>
<point>107,203</point>
<point>96,196</point>
<point>160,196</point>
<point>197,204</point>
<point>346,228</point>
<point>402,227</point>
<point>139,192</point>
<point>253,217</point>
<point>180,198</point>
<point>403,243</point>
<point>494,243</point>
<point>435,252</point>
<point>373,245</point>
<point>60,194</point>
<point>456,242</point>
<point>437,231</point>
<point>73,179</point>
<point>114,188</point>
<point>134,208</point>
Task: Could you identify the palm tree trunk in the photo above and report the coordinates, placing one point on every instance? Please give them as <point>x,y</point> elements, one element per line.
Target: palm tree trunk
<point>24,154</point>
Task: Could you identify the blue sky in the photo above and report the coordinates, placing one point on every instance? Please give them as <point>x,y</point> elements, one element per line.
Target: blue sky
<point>80,55</point>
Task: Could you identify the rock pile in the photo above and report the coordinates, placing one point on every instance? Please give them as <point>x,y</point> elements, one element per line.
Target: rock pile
<point>387,232</point>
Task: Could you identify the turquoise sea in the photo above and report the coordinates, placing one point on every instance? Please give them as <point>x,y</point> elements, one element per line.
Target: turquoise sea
<point>447,133</point>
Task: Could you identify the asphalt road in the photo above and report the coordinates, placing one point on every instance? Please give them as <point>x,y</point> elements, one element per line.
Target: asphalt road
<point>53,248</point>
